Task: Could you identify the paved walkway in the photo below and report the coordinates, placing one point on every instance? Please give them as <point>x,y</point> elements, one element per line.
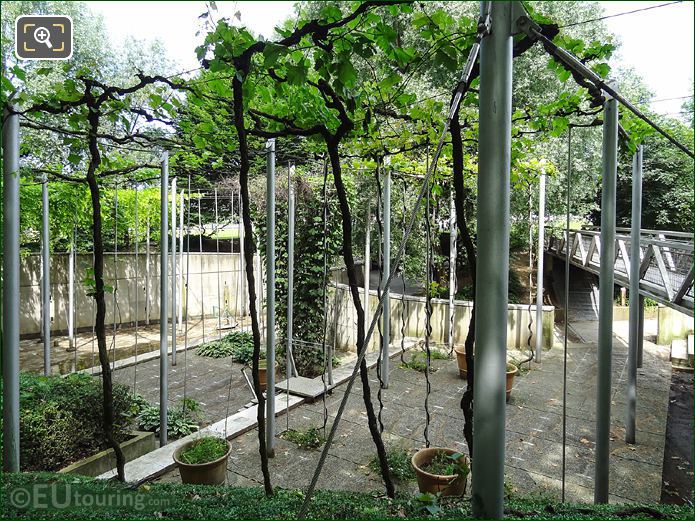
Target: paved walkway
<point>533,427</point>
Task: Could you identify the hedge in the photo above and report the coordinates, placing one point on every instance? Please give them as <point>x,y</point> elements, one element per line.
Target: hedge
<point>220,502</point>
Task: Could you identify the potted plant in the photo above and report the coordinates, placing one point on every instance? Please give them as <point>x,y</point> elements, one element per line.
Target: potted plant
<point>441,471</point>
<point>511,372</point>
<point>203,461</point>
<point>460,351</point>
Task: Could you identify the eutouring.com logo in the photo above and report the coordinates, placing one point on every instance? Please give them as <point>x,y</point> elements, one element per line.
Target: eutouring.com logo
<point>59,496</point>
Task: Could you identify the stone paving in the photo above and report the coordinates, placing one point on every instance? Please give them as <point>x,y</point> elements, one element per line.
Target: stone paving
<point>533,427</point>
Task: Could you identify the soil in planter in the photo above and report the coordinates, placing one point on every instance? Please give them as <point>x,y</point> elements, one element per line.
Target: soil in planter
<point>204,450</point>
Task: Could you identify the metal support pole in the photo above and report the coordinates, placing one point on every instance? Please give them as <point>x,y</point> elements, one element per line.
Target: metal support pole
<point>163,301</point>
<point>180,274</point>
<point>136,237</point>
<point>71,294</point>
<point>202,264</point>
<point>45,278</point>
<point>10,292</point>
<point>539,262</point>
<point>173,271</point>
<point>242,260</point>
<point>605,319</point>
<point>217,241</point>
<point>367,255</point>
<point>386,316</point>
<point>493,263</point>
<point>147,274</point>
<point>452,268</point>
<point>270,298</point>
<point>640,336</point>
<point>115,276</point>
<point>291,369</point>
<point>634,296</point>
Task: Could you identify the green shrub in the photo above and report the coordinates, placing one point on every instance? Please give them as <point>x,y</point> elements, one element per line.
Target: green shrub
<point>418,360</point>
<point>61,419</point>
<point>181,421</point>
<point>398,460</point>
<point>204,450</point>
<point>237,344</point>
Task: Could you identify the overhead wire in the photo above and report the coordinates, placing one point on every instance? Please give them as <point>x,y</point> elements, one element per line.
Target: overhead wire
<point>606,17</point>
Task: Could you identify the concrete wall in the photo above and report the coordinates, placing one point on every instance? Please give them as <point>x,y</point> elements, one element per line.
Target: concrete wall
<point>342,323</point>
<point>672,325</point>
<point>202,271</point>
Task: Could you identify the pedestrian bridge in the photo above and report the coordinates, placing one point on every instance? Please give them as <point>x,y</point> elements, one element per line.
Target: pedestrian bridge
<point>666,261</point>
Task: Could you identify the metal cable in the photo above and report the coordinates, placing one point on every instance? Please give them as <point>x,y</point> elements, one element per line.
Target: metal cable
<point>428,317</point>
<point>325,295</point>
<point>200,249</point>
<point>402,274</point>
<point>567,292</point>
<point>460,90</point>
<point>379,292</point>
<point>188,270</point>
<point>115,276</point>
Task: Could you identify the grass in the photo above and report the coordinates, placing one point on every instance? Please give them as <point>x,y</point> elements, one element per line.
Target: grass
<point>311,438</point>
<point>204,450</point>
<point>176,501</point>
<point>399,464</point>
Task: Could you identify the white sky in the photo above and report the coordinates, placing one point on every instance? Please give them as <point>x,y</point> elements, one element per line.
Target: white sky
<point>657,43</point>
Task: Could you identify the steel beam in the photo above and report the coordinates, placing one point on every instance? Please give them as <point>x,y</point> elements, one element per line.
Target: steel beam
<point>10,292</point>
<point>634,296</point>
<point>163,301</point>
<point>606,280</point>
<point>493,263</point>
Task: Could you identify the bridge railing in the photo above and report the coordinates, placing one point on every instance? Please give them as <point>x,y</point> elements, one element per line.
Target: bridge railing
<point>666,261</point>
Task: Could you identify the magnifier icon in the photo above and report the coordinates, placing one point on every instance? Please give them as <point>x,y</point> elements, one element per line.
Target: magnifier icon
<point>42,35</point>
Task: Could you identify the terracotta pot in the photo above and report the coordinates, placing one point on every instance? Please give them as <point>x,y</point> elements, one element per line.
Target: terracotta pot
<point>434,483</point>
<point>262,373</point>
<point>511,372</point>
<point>210,473</point>
<point>461,360</point>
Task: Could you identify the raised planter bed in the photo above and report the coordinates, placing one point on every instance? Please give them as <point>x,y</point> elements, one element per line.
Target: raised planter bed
<point>140,444</point>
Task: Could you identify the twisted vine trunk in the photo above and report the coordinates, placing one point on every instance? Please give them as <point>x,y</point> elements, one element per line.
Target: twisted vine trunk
<point>238,110</point>
<point>464,232</point>
<point>99,297</point>
<point>332,146</point>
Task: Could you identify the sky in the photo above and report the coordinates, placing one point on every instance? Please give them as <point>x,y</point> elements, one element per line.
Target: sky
<point>657,43</point>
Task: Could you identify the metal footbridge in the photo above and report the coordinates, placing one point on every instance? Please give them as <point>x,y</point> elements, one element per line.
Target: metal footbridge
<point>666,261</point>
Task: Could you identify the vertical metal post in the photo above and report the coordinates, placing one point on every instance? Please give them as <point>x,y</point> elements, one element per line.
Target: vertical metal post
<point>45,277</point>
<point>147,274</point>
<point>200,251</point>
<point>71,294</point>
<point>452,267</point>
<point>291,370</point>
<point>242,260</point>
<point>493,263</point>
<point>640,336</point>
<point>634,316</point>
<point>163,301</point>
<point>217,241</point>
<point>10,292</point>
<point>367,255</point>
<point>115,276</point>
<point>136,237</point>
<point>605,319</point>
<point>173,271</point>
<point>386,315</point>
<point>180,274</point>
<point>539,262</point>
<point>270,298</point>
